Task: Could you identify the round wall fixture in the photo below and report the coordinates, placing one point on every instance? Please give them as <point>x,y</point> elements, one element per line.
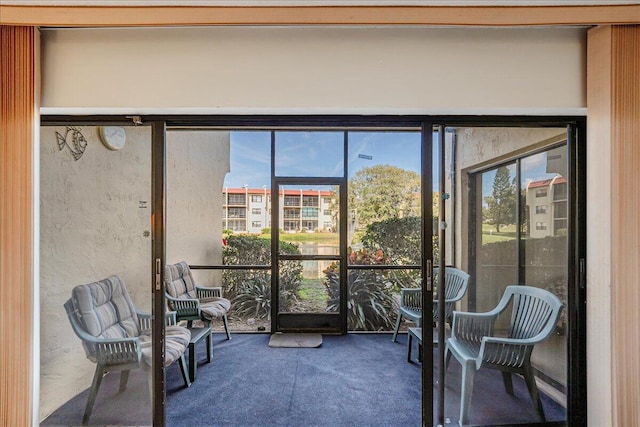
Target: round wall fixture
<point>113,137</point>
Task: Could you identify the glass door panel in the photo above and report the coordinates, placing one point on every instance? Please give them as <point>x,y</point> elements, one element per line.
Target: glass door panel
<point>309,153</point>
<point>219,217</point>
<point>96,209</point>
<point>516,217</point>
<point>496,260</point>
<point>545,244</point>
<point>308,257</point>
<point>384,226</point>
<point>438,331</point>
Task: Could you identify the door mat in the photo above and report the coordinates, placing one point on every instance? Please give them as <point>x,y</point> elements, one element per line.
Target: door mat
<point>292,340</point>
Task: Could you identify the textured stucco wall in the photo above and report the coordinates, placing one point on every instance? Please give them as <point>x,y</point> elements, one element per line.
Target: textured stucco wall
<point>197,162</point>
<point>91,226</point>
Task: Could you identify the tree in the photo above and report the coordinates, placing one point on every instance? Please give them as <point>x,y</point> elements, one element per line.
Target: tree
<point>381,192</point>
<point>501,205</point>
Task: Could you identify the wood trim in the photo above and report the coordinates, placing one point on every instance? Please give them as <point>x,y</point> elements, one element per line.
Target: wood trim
<point>109,16</point>
<point>625,206</point>
<point>17,124</point>
<point>599,412</point>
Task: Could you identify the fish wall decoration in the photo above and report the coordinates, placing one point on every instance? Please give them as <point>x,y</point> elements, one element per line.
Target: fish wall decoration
<point>78,142</point>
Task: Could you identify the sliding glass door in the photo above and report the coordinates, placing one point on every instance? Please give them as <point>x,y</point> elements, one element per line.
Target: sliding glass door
<point>507,217</point>
<point>100,234</point>
<point>321,228</point>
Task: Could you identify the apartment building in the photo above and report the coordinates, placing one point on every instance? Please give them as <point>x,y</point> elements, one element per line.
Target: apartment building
<point>248,210</point>
<point>547,207</point>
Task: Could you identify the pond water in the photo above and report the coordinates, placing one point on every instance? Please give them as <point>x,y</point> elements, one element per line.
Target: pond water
<point>313,269</point>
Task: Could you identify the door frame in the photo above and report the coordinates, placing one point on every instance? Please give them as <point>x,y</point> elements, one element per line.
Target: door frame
<point>576,264</point>
<point>576,363</point>
<point>329,323</point>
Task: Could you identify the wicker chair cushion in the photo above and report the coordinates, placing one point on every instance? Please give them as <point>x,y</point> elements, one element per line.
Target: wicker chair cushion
<point>176,340</point>
<point>106,310</point>
<point>179,281</point>
<point>214,307</point>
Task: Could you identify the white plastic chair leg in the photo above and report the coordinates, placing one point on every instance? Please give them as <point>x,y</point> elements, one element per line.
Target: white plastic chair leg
<point>468,373</point>
<point>95,385</point>
<point>395,331</point>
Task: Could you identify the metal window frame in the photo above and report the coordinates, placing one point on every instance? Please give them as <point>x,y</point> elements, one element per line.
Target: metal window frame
<point>575,142</point>
<point>576,129</point>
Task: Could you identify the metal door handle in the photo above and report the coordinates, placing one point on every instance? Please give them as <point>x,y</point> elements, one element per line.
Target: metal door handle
<point>158,271</point>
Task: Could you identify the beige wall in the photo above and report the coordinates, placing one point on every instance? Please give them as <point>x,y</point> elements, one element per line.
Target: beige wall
<point>197,162</point>
<point>315,69</point>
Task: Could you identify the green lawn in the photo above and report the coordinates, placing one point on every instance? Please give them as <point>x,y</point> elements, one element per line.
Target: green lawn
<point>305,237</point>
<point>489,234</point>
<point>312,295</point>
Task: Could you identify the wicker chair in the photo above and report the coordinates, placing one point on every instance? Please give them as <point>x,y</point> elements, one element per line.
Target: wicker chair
<point>191,301</point>
<point>117,336</point>
<point>534,315</point>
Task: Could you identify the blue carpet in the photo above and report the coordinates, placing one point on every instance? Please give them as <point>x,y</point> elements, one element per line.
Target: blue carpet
<point>354,380</point>
<point>351,380</point>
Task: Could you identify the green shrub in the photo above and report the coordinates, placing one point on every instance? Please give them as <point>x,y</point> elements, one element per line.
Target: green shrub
<point>266,230</point>
<point>254,300</point>
<point>545,265</point>
<point>400,240</point>
<point>250,290</point>
<point>370,302</point>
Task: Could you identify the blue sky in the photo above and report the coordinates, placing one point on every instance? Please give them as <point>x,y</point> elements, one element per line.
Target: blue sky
<point>316,154</point>
<point>320,154</point>
<point>533,168</point>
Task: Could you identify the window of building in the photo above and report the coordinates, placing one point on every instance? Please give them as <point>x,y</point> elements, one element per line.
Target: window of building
<point>256,211</point>
<point>310,225</point>
<point>541,209</point>
<point>292,200</point>
<point>541,226</point>
<point>237,199</point>
<point>560,227</point>
<point>256,224</point>
<point>560,191</point>
<point>237,213</point>
<point>327,212</point>
<point>237,225</point>
<point>309,200</point>
<point>309,212</point>
<point>326,200</point>
<point>291,213</point>
<point>541,192</point>
<point>256,198</point>
<point>560,210</point>
<point>291,225</point>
